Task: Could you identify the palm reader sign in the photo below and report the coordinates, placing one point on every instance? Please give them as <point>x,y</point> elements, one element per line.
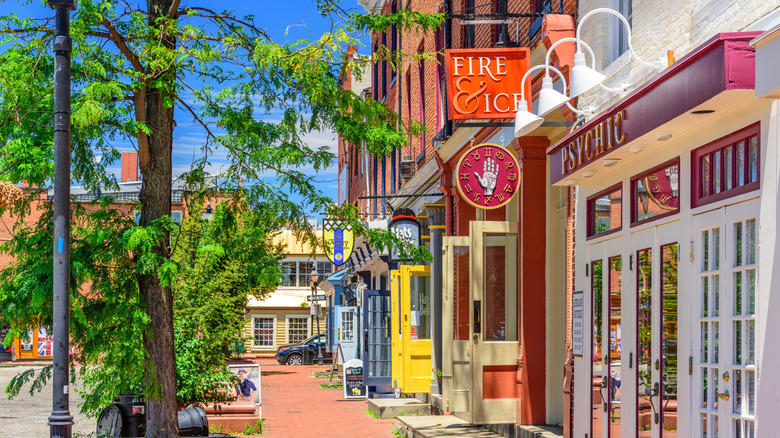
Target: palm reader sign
<point>498,182</point>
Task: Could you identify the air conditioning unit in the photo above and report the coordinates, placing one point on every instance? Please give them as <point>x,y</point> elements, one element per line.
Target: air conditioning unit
<point>407,167</point>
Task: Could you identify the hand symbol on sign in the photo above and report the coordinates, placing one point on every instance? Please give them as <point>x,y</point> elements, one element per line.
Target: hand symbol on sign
<point>489,176</point>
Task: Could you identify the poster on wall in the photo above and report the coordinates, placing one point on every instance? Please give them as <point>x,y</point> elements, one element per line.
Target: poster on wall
<point>44,342</point>
<point>577,323</point>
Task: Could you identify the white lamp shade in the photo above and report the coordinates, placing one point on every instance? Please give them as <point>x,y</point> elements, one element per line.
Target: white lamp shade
<point>525,121</point>
<point>583,78</point>
<point>549,98</point>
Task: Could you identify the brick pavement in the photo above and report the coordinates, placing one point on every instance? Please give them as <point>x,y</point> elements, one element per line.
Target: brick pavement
<point>294,405</point>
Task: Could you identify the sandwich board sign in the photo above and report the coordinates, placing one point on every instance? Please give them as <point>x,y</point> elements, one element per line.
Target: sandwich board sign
<point>353,380</point>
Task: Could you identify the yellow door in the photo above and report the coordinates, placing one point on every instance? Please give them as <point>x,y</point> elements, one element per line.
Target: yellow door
<point>416,328</point>
<point>411,326</point>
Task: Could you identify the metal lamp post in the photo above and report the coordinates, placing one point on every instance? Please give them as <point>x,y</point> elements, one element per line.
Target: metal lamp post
<point>61,421</point>
<point>314,277</point>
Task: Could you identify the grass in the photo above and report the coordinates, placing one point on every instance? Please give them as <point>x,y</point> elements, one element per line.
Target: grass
<point>334,385</point>
<point>372,413</point>
<point>249,429</point>
<point>398,433</point>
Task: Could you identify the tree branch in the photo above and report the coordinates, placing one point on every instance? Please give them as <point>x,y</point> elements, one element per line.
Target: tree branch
<point>120,43</point>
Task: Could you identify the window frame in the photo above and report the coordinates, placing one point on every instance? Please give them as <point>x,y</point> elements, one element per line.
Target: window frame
<point>632,187</point>
<point>287,318</point>
<point>273,327</point>
<point>589,211</point>
<point>734,138</point>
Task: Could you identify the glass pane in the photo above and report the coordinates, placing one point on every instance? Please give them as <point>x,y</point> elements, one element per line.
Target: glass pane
<point>705,242</point>
<point>737,429</point>
<point>715,295</point>
<point>615,346</point>
<point>461,299</point>
<point>705,372</point>
<point>716,248</point>
<point>715,342</point>
<point>657,193</point>
<point>704,425</point>
<point>751,342</point>
<point>605,213</point>
<point>496,323</point>
<point>750,241</point>
<point>645,332</point>
<point>737,342</point>
<point>738,293</point>
<point>703,351</point>
<point>715,425</point>
<point>750,391</point>
<point>297,330</point>
<point>597,354</point>
<point>728,165</point>
<point>705,296</point>
<point>740,163</point>
<point>738,244</point>
<point>753,154</point>
<point>714,379</point>
<point>751,295</point>
<point>750,429</point>
<point>737,389</point>
<point>264,332</point>
<point>669,337</point>
<point>420,316</point>
<point>704,167</point>
<point>716,181</point>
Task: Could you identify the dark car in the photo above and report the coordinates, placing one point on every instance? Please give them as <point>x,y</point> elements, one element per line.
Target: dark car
<point>296,354</point>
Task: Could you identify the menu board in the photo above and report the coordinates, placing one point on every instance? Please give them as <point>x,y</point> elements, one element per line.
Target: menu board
<point>577,323</point>
<point>353,379</point>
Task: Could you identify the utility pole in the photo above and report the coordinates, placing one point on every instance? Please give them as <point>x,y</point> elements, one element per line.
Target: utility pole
<point>60,421</point>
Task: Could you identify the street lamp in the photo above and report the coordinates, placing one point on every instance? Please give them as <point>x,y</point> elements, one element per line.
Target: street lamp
<point>314,282</point>
<point>61,421</point>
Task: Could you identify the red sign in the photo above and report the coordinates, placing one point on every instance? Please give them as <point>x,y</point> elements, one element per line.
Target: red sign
<point>663,187</point>
<point>487,176</point>
<point>485,83</point>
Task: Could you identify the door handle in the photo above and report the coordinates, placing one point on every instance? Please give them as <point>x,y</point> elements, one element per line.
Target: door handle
<point>601,392</point>
<point>724,395</point>
<point>477,316</point>
<point>654,393</point>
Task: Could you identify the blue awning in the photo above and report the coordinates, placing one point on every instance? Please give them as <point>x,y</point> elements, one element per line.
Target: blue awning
<point>333,282</point>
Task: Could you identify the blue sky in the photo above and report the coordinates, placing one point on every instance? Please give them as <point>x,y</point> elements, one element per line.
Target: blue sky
<point>285,21</point>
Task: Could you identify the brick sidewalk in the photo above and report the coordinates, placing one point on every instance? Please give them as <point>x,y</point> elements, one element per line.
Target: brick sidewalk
<point>294,405</point>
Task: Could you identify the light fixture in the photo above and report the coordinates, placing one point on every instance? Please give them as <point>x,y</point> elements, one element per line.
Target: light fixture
<point>636,148</point>
<point>588,173</point>
<point>487,21</point>
<point>609,162</point>
<point>549,98</point>
<point>314,276</point>
<point>207,215</point>
<point>583,78</point>
<point>525,121</point>
<point>663,135</point>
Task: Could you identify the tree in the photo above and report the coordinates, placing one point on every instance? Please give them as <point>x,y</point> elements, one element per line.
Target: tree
<point>135,70</point>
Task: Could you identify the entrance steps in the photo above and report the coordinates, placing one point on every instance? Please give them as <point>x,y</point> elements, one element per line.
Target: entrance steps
<point>394,407</point>
<point>440,426</point>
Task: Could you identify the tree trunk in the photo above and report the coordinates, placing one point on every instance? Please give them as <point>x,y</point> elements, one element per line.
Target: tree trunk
<point>155,197</point>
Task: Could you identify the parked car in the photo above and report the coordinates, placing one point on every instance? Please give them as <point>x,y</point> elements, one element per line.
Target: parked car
<point>296,354</point>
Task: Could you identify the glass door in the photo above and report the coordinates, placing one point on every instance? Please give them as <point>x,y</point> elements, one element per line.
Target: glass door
<point>493,323</point>
<point>725,376</point>
<point>376,337</point>
<point>455,375</point>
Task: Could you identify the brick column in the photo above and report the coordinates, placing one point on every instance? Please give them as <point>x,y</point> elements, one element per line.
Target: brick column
<point>531,366</point>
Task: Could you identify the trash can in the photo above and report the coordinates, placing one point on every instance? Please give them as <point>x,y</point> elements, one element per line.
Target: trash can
<point>193,422</point>
<point>132,410</point>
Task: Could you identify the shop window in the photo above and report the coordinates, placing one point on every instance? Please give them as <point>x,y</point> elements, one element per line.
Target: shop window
<point>289,273</point>
<point>297,329</point>
<point>604,211</point>
<point>263,330</point>
<point>656,193</point>
<point>726,167</point>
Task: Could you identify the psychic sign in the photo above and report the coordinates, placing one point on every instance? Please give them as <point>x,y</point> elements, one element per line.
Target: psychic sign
<point>487,176</point>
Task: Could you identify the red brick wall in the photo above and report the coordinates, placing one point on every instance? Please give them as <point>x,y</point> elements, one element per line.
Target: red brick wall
<point>129,170</point>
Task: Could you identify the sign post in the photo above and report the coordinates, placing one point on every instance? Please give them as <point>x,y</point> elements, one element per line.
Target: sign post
<point>353,380</point>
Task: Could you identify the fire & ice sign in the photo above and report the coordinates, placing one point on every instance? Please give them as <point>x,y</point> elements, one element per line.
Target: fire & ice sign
<point>488,176</point>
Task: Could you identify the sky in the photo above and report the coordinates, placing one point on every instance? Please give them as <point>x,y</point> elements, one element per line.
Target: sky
<point>285,21</point>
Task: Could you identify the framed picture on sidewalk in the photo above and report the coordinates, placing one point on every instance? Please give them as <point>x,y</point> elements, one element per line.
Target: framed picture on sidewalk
<point>248,386</point>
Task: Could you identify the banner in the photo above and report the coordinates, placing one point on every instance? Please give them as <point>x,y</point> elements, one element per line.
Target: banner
<point>338,241</point>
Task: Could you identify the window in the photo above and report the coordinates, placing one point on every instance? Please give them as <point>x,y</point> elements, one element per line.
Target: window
<point>297,329</point>
<point>656,193</point>
<point>263,330</point>
<point>421,96</point>
<point>298,273</point>
<point>500,7</point>
<point>384,66</point>
<point>540,7</point>
<point>468,30</point>
<point>393,42</point>
<point>726,167</point>
<point>376,72</point>
<point>324,269</point>
<point>605,210</point>
<point>176,216</point>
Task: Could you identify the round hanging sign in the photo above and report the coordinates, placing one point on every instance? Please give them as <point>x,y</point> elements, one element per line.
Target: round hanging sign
<point>488,176</point>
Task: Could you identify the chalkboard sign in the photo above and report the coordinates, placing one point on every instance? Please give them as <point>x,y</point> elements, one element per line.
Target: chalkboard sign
<point>353,379</point>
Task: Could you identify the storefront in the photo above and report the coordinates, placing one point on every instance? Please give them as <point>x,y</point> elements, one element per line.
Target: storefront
<point>674,183</point>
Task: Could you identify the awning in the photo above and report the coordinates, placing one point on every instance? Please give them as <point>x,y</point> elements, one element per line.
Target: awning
<point>333,282</point>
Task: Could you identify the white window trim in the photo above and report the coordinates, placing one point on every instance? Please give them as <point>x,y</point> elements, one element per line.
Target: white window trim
<point>287,318</point>
<point>252,331</point>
